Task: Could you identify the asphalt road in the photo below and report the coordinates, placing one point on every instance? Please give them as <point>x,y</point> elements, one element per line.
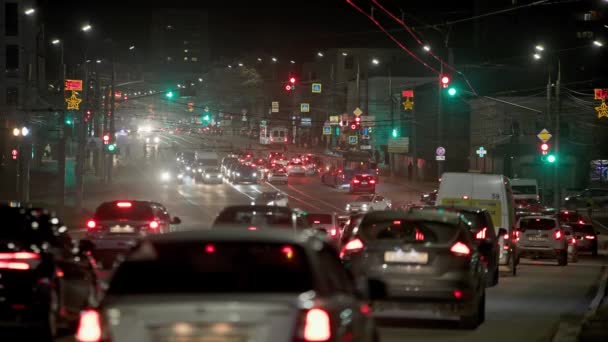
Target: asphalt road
<point>525,308</point>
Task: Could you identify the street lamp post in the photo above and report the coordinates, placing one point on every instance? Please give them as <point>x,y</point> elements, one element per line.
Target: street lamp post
<point>62,138</point>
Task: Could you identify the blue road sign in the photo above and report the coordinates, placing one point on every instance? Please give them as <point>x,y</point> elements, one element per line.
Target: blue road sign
<point>326,130</point>
<point>365,131</point>
<point>352,139</point>
<point>316,87</point>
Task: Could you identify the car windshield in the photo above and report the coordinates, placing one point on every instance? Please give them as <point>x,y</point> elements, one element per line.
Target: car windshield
<point>536,224</point>
<point>215,267</point>
<point>410,231</point>
<point>364,198</point>
<point>319,218</point>
<point>524,189</point>
<point>256,216</point>
<point>136,211</point>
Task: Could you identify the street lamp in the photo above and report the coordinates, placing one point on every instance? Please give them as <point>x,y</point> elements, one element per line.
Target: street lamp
<point>344,54</point>
<point>200,79</point>
<point>55,41</point>
<point>292,61</point>
<point>427,48</point>
<point>259,59</point>
<point>16,132</point>
<point>30,11</point>
<point>131,47</point>
<point>274,59</point>
<point>320,54</point>
<point>536,56</point>
<point>375,61</point>
<point>86,28</point>
<point>98,61</point>
<point>240,64</point>
<point>539,48</point>
<point>598,43</point>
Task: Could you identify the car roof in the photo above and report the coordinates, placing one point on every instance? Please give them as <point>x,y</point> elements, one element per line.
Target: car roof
<point>459,208</point>
<point>422,215</point>
<point>237,234</point>
<point>545,217</point>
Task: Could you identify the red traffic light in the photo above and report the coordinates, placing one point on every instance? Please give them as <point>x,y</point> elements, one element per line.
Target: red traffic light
<point>106,139</point>
<point>445,81</point>
<point>353,126</point>
<point>14,154</point>
<point>544,148</point>
<point>288,87</point>
<point>292,80</point>
<point>357,119</point>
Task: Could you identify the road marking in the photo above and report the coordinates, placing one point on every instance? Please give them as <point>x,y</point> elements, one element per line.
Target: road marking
<point>295,198</point>
<point>316,199</point>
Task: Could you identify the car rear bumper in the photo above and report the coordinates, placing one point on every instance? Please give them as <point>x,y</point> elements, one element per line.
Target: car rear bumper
<point>527,251</point>
<point>362,188</point>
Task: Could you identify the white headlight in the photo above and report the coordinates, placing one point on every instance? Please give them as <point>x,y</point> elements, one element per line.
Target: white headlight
<point>156,139</point>
<point>165,176</point>
<point>200,170</point>
<point>188,168</point>
<point>254,174</point>
<point>207,176</point>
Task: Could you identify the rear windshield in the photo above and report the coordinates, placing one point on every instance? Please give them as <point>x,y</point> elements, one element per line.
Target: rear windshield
<point>408,231</point>
<point>112,211</point>
<point>212,169</point>
<point>222,267</point>
<point>536,224</point>
<point>319,218</point>
<point>583,228</point>
<point>276,216</point>
<point>523,189</point>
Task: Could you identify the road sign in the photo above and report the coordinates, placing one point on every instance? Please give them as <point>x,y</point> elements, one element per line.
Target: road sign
<point>544,135</point>
<point>365,137</point>
<point>440,151</point>
<point>357,111</point>
<point>326,130</point>
<point>365,147</point>
<point>365,130</point>
<point>399,145</point>
<point>73,85</point>
<point>481,152</point>
<point>304,107</point>
<point>352,139</point>
<point>316,88</point>
<point>368,121</point>
<point>439,157</point>
<point>306,122</point>
<point>334,120</point>
<point>275,107</point>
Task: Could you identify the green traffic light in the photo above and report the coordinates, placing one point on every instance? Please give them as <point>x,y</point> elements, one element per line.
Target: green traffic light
<point>452,91</point>
<point>169,94</point>
<point>551,158</point>
<point>394,133</point>
<point>111,147</point>
<point>68,121</point>
<point>206,117</point>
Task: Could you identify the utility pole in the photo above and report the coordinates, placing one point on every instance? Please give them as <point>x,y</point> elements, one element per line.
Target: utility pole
<point>556,181</point>
<point>96,123</point>
<point>392,113</point>
<point>81,151</point>
<point>110,161</point>
<point>62,141</point>
<point>439,123</point>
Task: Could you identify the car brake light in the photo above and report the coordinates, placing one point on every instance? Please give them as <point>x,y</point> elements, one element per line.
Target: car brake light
<point>481,235</point>
<point>19,256</point>
<point>333,232</point>
<point>419,235</point>
<point>356,181</point>
<point>91,224</point>
<point>317,326</point>
<point>89,327</point>
<point>154,225</point>
<point>581,222</point>
<point>460,248</point>
<point>589,237</point>
<point>20,261</point>
<point>352,246</point>
<point>558,235</point>
<point>373,181</point>
<point>457,294</point>
<point>124,204</point>
<point>316,221</point>
<point>209,249</point>
<point>288,251</point>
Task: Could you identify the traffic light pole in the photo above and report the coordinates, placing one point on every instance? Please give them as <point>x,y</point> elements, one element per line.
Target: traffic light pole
<point>556,181</point>
<point>110,160</point>
<point>62,141</point>
<point>439,123</point>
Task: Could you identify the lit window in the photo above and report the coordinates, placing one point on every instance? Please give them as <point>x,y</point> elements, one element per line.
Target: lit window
<point>194,59</point>
<point>185,58</point>
<point>186,51</point>
<point>169,59</point>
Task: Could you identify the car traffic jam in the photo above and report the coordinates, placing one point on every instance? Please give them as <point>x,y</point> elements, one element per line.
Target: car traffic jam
<point>268,271</point>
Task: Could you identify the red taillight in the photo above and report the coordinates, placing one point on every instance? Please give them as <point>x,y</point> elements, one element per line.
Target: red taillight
<point>209,249</point>
<point>316,221</point>
<point>457,294</point>
<point>288,251</point>
<point>285,139</point>
<point>333,232</point>
<point>252,228</point>
<point>460,248</point>
<point>589,237</point>
<point>558,235</point>
<point>481,235</point>
<point>19,261</point>
<point>154,225</point>
<point>372,181</point>
<point>89,327</point>
<point>581,222</point>
<point>352,246</point>
<point>419,235</point>
<point>356,181</point>
<point>317,326</point>
<point>91,224</point>
<point>124,204</point>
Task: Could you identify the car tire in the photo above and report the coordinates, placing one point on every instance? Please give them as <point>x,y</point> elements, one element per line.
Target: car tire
<point>494,281</point>
<point>472,321</point>
<point>562,258</point>
<point>574,258</point>
<point>594,250</point>
<point>49,323</point>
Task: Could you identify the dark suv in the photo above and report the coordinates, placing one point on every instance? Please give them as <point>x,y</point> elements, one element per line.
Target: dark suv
<point>486,238</point>
<point>363,183</point>
<point>45,280</point>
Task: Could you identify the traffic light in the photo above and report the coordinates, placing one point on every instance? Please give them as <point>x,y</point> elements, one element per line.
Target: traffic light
<point>291,84</point>
<point>111,148</point>
<point>68,120</point>
<point>445,81</point>
<point>206,117</point>
<point>169,94</point>
<point>552,158</point>
<point>14,154</point>
<point>394,133</point>
<point>452,91</point>
<point>292,80</point>
<point>544,148</point>
<point>353,126</point>
<point>106,139</point>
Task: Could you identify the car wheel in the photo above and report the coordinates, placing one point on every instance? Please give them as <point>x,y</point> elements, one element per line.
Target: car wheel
<point>562,258</point>
<point>495,277</point>
<point>514,264</point>
<point>50,320</point>
<point>473,320</point>
<point>574,257</point>
<point>594,250</point>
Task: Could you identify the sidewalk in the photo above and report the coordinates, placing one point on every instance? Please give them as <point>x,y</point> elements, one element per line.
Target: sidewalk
<point>595,325</point>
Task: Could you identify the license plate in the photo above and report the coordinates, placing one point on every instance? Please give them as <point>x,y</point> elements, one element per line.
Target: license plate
<point>536,238</point>
<point>119,229</point>
<point>363,183</point>
<point>412,257</point>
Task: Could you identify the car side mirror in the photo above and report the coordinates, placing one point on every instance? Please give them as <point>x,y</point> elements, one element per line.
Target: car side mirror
<point>176,220</point>
<point>85,246</point>
<point>502,232</point>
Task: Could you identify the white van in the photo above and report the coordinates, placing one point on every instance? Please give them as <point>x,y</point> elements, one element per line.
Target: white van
<point>490,192</point>
<point>525,189</point>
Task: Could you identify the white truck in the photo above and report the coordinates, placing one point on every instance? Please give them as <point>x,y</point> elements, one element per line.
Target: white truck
<point>490,192</point>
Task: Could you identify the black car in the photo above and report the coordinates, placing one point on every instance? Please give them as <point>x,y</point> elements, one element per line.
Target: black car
<point>428,260</point>
<point>244,174</point>
<point>486,238</point>
<point>225,163</point>
<point>586,237</point>
<point>363,183</point>
<point>45,280</point>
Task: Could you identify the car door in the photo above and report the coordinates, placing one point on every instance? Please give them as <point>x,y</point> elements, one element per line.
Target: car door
<point>378,203</point>
<point>163,217</point>
<point>342,297</point>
